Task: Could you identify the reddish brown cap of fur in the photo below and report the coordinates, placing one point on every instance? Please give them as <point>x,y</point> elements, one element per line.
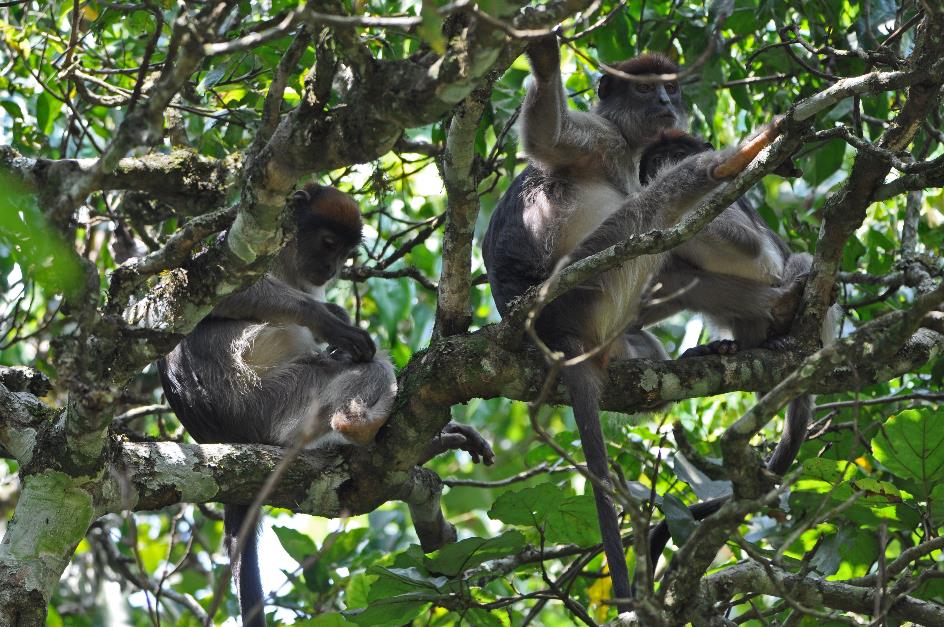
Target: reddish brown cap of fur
<point>649,63</point>
<point>332,205</point>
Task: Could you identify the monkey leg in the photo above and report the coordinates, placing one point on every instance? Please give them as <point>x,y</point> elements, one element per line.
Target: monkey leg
<point>745,153</point>
<point>360,398</point>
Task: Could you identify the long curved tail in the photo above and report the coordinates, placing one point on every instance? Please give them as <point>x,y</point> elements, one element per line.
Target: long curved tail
<point>244,561</point>
<point>582,383</point>
<point>799,415</point>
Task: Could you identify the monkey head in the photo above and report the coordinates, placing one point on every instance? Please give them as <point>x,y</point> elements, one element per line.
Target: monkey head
<point>668,148</point>
<point>327,225</point>
<point>641,110</point>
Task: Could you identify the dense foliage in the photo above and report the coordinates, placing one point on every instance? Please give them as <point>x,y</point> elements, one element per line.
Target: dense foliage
<point>867,489</point>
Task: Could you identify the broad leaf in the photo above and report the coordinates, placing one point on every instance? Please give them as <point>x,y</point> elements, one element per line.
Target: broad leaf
<point>911,445</point>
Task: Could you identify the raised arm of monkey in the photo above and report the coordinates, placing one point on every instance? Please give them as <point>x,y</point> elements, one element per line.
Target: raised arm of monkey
<point>582,167</point>
<point>576,197</point>
<point>743,277</point>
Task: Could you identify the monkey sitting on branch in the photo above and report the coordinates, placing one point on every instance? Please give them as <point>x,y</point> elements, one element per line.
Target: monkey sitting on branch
<point>256,369</point>
<point>744,278</point>
<point>579,195</point>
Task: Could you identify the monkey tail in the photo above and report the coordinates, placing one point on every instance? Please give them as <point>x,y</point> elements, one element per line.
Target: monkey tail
<point>582,383</point>
<point>244,561</point>
<point>799,414</point>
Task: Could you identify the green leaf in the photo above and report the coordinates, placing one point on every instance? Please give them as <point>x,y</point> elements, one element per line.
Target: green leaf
<point>325,620</point>
<point>388,613</point>
<point>212,77</point>
<point>296,544</point>
<point>563,517</point>
<point>430,29</point>
<point>469,553</point>
<point>911,445</point>
<point>829,470</point>
<point>393,582</point>
<point>828,159</point>
<point>32,243</point>
<point>681,522</point>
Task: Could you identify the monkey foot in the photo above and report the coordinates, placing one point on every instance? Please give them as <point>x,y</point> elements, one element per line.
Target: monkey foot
<point>459,437</point>
<point>718,347</point>
<point>780,343</point>
<point>747,151</point>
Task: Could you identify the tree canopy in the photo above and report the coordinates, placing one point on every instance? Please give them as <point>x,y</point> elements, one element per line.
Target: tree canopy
<point>146,153</point>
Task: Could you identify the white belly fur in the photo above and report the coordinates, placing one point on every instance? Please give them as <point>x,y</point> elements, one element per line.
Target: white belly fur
<point>595,202</point>
<point>621,287</point>
<point>262,347</point>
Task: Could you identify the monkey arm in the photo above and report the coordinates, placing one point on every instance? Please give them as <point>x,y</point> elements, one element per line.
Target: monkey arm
<point>272,300</point>
<point>551,133</point>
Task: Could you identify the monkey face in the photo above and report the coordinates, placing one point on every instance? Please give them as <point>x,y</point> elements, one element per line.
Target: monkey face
<point>321,252</point>
<point>642,109</point>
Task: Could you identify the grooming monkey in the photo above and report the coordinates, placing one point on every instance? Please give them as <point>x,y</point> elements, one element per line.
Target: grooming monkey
<point>579,195</point>
<point>254,370</point>
<point>743,277</point>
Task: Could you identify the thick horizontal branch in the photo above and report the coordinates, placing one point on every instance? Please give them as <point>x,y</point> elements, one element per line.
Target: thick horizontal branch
<point>188,182</point>
<point>813,591</point>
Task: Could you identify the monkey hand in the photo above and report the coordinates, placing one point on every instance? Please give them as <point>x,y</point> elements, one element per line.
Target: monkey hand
<point>339,312</point>
<point>544,54</point>
<point>734,163</point>
<point>459,437</point>
<point>346,337</point>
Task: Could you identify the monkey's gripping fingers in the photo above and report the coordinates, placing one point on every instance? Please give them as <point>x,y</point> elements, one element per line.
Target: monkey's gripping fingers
<point>459,437</point>
<point>718,347</point>
<point>735,163</point>
<point>346,337</point>
<point>544,54</point>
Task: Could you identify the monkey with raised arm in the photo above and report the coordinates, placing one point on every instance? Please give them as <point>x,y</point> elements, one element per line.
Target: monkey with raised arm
<point>579,195</point>
<point>275,358</point>
<point>743,277</point>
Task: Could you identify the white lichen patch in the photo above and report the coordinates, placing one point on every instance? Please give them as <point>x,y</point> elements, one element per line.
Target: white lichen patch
<point>176,464</point>
<point>322,496</point>
<point>21,443</point>
<point>671,386</point>
<point>486,367</point>
<point>649,380</point>
<point>52,515</point>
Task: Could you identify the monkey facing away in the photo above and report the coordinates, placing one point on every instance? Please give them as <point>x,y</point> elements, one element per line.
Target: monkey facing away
<point>254,370</point>
<point>743,277</point>
<point>579,195</point>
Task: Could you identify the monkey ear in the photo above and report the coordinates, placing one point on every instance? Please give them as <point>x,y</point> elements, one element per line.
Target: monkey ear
<point>299,199</point>
<point>605,86</point>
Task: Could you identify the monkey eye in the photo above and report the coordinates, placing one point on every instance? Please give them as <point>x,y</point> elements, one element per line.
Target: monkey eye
<point>643,87</point>
<point>671,88</point>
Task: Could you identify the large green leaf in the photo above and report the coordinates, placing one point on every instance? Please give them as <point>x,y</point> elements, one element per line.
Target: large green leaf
<point>911,445</point>
<point>561,515</point>
<point>454,558</point>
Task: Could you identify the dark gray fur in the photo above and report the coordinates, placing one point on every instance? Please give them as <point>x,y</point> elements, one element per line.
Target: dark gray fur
<point>255,371</point>
<point>744,279</point>
<point>579,195</point>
